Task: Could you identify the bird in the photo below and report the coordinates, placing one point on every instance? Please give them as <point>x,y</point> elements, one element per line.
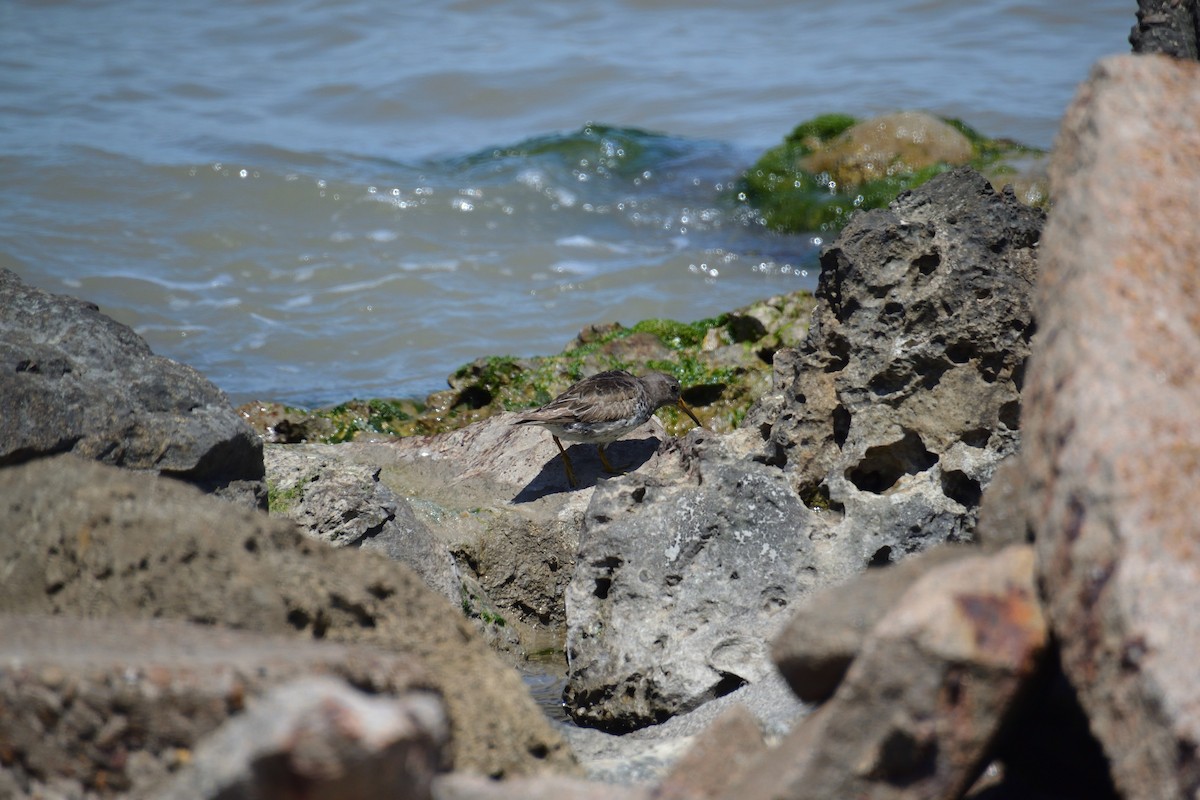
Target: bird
<point>604,407</point>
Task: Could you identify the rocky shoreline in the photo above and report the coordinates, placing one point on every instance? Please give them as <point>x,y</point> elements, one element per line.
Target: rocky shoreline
<point>946,554</point>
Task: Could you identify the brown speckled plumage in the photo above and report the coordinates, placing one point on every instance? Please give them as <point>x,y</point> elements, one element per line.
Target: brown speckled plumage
<point>603,408</point>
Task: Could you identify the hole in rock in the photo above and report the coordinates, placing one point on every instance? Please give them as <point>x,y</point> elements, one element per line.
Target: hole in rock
<point>883,465</point>
<point>976,437</point>
<point>729,683</point>
<point>961,488</point>
<point>841,425</point>
<point>298,619</point>
<point>881,558</point>
<point>928,262</point>
<point>838,350</point>
<point>1010,415</point>
<point>960,352</point>
<point>817,497</point>
<point>473,397</point>
<point>603,585</point>
<point>1018,376</point>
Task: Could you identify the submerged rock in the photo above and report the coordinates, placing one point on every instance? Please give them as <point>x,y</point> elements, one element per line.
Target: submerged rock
<point>899,143</point>
<point>833,165</point>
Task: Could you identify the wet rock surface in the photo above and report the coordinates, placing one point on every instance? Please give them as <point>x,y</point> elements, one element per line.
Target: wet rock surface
<point>74,380</point>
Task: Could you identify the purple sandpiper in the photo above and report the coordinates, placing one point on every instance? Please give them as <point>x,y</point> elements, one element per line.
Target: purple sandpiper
<point>603,408</point>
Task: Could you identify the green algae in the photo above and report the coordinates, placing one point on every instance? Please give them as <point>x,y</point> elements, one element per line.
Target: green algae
<point>722,362</point>
<point>279,500</point>
<point>789,198</point>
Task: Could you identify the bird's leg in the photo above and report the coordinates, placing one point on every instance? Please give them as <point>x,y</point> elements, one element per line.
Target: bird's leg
<point>604,461</point>
<point>566,462</point>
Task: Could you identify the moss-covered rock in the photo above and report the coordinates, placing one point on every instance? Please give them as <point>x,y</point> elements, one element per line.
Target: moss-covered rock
<point>723,363</point>
<point>833,164</point>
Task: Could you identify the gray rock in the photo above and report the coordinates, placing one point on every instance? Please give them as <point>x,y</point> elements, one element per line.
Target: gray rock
<point>936,680</point>
<point>1112,449</point>
<point>344,503</point>
<point>650,755</point>
<point>74,380</point>
<point>495,495</point>
<point>685,571</point>
<point>463,786</point>
<point>89,540</point>
<point>1169,27</point>
<point>116,705</point>
<point>882,432</point>
<point>319,739</point>
<point>906,395</point>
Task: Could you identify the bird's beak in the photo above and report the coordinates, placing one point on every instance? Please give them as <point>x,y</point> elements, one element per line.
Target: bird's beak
<point>688,411</point>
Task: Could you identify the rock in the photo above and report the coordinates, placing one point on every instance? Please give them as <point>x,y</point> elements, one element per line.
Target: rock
<point>651,755</point>
<point>115,705</point>
<point>882,432</point>
<point>1112,451</point>
<point>824,635</point>
<point>934,683</point>
<point>496,495</point>
<point>1169,27</point>
<point>319,739</point>
<point>345,504</point>
<point>93,541</point>
<point>896,410</point>
<point>717,760</point>
<point>1002,509</point>
<point>74,380</point>
<point>903,142</point>
<point>685,570</point>
<point>1046,750</point>
<point>463,786</point>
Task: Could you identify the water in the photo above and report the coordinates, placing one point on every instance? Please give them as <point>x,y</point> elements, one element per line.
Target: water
<point>319,200</point>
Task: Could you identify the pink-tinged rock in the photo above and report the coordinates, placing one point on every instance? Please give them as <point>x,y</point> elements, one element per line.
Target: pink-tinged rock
<point>921,706</point>
<point>318,738</point>
<point>717,759</point>
<point>1112,417</point>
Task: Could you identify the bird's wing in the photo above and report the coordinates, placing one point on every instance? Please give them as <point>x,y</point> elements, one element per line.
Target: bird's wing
<point>600,398</point>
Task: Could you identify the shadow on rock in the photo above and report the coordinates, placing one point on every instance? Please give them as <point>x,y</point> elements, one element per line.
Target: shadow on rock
<point>626,455</point>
